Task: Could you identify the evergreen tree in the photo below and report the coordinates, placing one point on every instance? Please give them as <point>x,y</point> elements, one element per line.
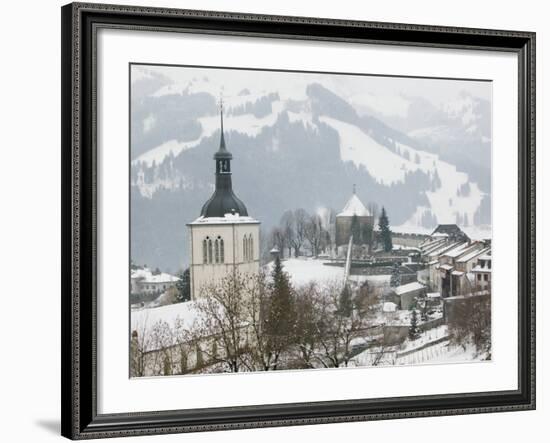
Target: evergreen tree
<point>413,329</point>
<point>355,230</point>
<point>385,232</point>
<point>366,235</point>
<point>345,303</point>
<point>424,313</point>
<point>280,321</point>
<point>183,286</point>
<point>395,279</point>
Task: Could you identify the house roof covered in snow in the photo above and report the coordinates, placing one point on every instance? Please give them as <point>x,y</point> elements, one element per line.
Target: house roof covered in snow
<point>147,276</point>
<point>403,289</point>
<point>457,251</point>
<point>472,254</point>
<point>354,206</point>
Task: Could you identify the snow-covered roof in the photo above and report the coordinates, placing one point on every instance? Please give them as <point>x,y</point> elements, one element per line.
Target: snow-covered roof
<point>446,267</point>
<point>389,307</point>
<point>433,294</point>
<point>458,250</point>
<point>441,249</point>
<point>458,273</point>
<point>472,254</point>
<point>354,206</point>
<point>147,276</point>
<point>485,257</point>
<point>414,286</point>
<point>226,219</point>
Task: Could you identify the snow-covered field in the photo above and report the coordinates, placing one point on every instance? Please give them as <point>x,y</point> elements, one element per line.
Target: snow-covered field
<point>303,271</point>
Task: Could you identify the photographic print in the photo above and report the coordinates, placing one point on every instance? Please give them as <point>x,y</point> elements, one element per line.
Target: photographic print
<point>286,220</point>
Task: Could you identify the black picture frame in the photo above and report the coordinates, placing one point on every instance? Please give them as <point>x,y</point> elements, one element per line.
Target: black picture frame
<point>79,211</point>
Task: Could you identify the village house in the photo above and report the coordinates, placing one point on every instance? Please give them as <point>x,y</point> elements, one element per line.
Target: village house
<point>145,281</point>
<point>482,272</point>
<point>405,295</point>
<point>450,258</point>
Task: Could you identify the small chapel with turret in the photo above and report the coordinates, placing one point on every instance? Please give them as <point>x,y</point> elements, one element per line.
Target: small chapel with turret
<point>224,239</point>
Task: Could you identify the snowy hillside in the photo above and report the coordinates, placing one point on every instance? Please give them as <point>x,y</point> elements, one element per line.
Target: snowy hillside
<point>422,176</point>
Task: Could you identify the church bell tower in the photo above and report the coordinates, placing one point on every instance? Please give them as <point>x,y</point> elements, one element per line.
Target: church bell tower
<point>224,239</point>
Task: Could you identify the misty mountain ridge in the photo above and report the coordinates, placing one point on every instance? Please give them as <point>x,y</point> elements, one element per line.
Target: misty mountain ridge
<point>303,147</point>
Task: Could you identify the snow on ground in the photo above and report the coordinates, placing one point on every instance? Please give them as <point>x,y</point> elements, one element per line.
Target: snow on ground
<point>361,149</point>
<point>144,320</point>
<point>245,123</point>
<point>160,152</point>
<point>386,104</point>
<point>303,271</point>
<point>185,312</point>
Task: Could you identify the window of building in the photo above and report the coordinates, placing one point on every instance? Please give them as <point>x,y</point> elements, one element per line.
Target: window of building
<point>217,251</point>
<point>204,251</point>
<point>478,277</point>
<point>486,277</point>
<point>222,252</point>
<point>250,248</point>
<point>209,251</point>
<point>245,249</point>
<point>489,264</point>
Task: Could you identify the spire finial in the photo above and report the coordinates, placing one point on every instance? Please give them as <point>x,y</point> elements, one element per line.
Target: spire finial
<point>221,110</point>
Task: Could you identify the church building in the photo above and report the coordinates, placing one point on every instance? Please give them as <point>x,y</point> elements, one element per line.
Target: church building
<point>354,212</point>
<point>224,239</point>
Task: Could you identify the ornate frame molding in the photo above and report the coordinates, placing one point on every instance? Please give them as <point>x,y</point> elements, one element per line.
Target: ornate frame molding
<point>79,391</point>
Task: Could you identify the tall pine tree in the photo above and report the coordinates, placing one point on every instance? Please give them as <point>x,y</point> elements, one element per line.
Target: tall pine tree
<point>385,232</point>
<point>280,317</point>
<point>345,303</point>
<point>355,230</point>
<point>183,285</point>
<point>413,329</point>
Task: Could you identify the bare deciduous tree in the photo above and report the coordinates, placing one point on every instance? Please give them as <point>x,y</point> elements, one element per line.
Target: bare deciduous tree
<point>223,318</point>
<point>315,234</point>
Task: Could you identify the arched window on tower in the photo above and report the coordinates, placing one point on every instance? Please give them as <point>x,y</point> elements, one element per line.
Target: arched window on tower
<point>250,248</point>
<point>204,251</point>
<point>209,251</point>
<point>222,251</point>
<point>244,249</point>
<point>217,251</point>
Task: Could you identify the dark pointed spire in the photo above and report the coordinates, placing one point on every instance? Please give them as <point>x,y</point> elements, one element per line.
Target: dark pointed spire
<point>222,152</point>
<point>224,200</point>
